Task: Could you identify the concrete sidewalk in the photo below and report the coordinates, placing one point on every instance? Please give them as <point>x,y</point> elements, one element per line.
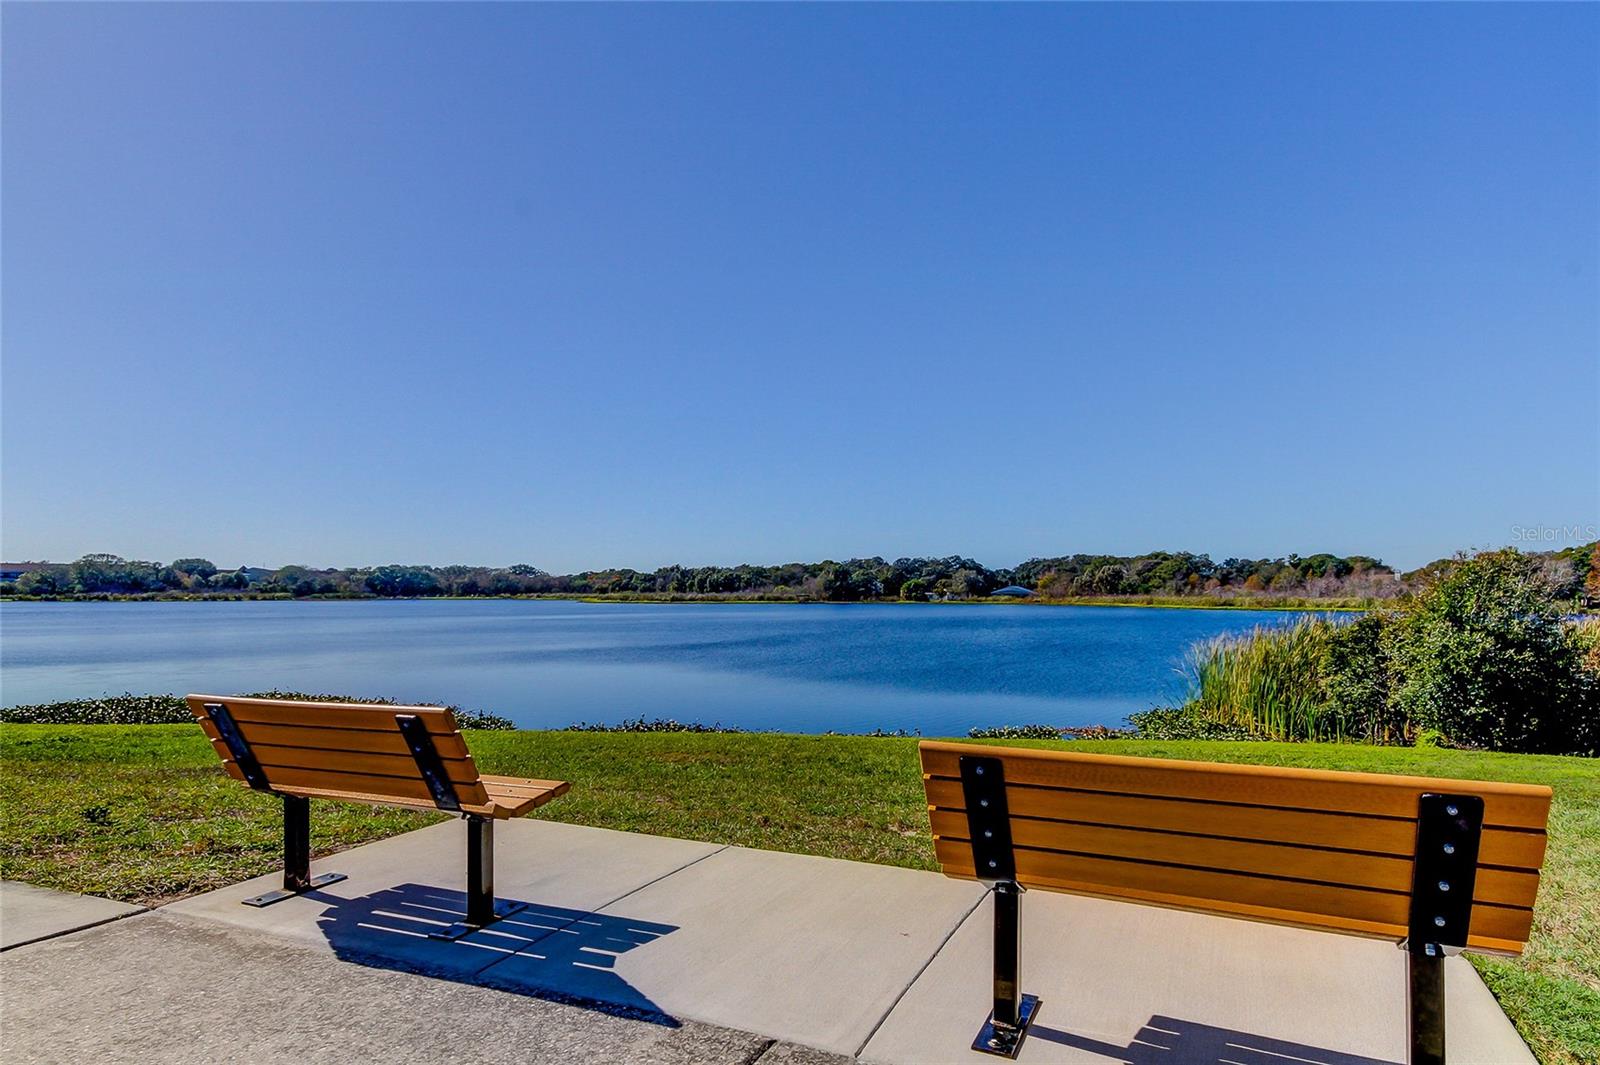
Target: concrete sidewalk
<point>722,953</point>
<point>29,914</point>
<point>156,988</point>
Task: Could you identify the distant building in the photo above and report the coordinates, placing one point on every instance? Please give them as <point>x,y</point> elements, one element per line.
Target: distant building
<point>1014,591</point>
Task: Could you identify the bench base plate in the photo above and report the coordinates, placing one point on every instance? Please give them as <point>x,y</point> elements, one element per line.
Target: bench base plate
<point>285,893</point>
<point>1007,1043</point>
<point>462,928</point>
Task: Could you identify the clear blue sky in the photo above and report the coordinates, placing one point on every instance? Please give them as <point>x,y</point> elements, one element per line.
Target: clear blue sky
<point>586,286</point>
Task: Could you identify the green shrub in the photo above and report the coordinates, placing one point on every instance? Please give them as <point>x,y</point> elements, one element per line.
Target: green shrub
<point>1182,723</point>
<point>1356,680</point>
<point>659,724</point>
<point>132,709</point>
<point>1485,657</point>
<point>1429,738</point>
<point>1016,732</point>
<point>112,710</point>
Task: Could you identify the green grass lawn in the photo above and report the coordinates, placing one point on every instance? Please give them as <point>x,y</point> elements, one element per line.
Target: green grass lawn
<point>145,814</point>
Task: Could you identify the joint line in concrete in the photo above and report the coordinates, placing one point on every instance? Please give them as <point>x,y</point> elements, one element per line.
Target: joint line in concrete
<point>918,974</point>
<point>598,909</point>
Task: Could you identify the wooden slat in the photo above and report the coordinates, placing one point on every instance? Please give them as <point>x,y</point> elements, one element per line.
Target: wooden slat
<point>513,784</point>
<point>1372,794</point>
<point>499,803</point>
<point>461,771</point>
<point>336,739</point>
<point>1512,848</point>
<point>1379,872</point>
<point>323,715</point>
<point>485,808</point>
<point>1345,909</point>
<point>514,797</point>
<point>218,746</point>
<point>291,779</point>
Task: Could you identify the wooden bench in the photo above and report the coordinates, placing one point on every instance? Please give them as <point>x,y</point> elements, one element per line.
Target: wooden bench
<point>410,756</point>
<point>1436,865</point>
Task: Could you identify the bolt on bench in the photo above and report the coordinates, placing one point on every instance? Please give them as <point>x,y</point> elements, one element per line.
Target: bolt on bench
<point>410,756</point>
<point>1433,864</point>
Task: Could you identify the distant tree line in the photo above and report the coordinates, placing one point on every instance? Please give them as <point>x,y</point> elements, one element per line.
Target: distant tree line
<point>1182,573</point>
<point>1574,572</point>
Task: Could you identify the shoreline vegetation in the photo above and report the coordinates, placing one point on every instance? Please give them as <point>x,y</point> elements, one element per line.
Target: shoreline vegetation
<point>1486,655</point>
<point>640,599</point>
<point>1160,578</point>
<point>166,822</point>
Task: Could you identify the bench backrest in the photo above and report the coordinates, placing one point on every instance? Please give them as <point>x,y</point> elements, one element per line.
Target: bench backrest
<point>344,750</point>
<point>1314,848</point>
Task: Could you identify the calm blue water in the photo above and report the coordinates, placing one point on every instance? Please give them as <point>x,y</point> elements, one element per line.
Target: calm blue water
<point>813,668</point>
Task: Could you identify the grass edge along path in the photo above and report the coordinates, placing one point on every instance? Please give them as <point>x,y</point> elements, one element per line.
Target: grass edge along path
<point>145,814</point>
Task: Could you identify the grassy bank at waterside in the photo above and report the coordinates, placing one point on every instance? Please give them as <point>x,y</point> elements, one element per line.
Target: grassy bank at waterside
<point>162,820</point>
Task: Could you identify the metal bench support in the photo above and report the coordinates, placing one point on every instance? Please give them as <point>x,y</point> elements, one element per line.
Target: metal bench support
<point>297,878</point>
<point>483,908</point>
<point>1444,874</point>
<point>989,827</point>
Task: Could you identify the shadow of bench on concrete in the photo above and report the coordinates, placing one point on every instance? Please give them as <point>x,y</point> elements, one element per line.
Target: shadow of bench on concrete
<point>543,951</point>
<point>1167,1041</point>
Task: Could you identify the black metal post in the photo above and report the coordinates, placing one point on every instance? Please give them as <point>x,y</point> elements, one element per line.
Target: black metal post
<point>482,908</point>
<point>1425,999</point>
<point>1007,957</point>
<point>480,870</point>
<point>1013,1011</point>
<point>296,843</point>
<point>297,878</point>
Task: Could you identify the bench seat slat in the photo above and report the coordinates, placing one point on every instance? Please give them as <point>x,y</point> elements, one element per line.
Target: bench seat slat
<point>1345,909</point>
<point>364,741</point>
<point>486,809</point>
<point>1379,872</point>
<point>1372,794</point>
<point>1512,848</point>
<point>520,784</point>
<point>513,797</point>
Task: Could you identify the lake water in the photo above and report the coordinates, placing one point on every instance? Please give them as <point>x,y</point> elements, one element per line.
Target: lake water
<point>809,668</point>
